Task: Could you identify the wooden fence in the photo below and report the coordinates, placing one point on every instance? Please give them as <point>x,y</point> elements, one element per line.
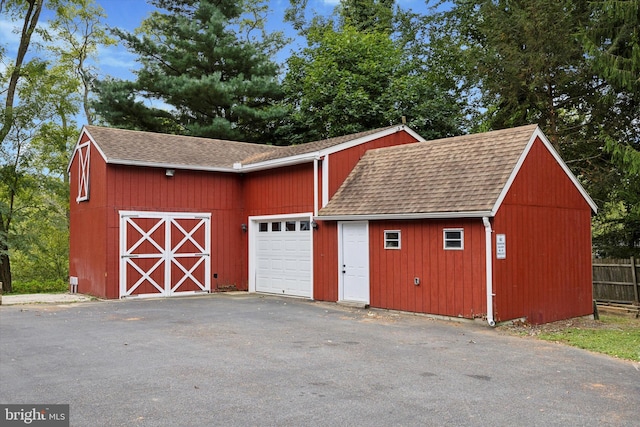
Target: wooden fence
<point>616,280</point>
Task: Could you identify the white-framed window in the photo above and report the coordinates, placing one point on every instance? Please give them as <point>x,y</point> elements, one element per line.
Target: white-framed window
<point>83,152</point>
<point>263,227</point>
<point>392,239</point>
<point>453,238</point>
<point>290,225</point>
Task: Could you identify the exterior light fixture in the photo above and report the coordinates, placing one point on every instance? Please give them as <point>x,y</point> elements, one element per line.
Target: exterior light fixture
<point>170,172</point>
<point>314,225</point>
<point>244,228</point>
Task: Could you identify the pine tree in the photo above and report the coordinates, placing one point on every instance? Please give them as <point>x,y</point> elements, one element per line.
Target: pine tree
<point>200,76</point>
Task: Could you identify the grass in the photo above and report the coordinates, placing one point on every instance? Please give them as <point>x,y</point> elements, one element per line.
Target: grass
<point>615,335</point>
<point>39,287</point>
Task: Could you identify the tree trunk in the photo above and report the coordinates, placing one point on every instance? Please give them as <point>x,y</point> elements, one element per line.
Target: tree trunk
<point>30,21</point>
<point>5,270</point>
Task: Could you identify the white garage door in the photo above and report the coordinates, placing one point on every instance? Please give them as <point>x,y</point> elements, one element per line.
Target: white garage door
<point>283,257</point>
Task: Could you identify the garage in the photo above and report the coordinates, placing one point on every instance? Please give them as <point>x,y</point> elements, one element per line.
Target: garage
<point>282,255</point>
<point>164,254</point>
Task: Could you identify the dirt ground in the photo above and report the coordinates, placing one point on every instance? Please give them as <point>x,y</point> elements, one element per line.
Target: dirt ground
<point>523,328</point>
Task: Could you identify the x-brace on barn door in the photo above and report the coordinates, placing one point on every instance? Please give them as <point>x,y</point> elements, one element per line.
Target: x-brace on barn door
<point>163,254</point>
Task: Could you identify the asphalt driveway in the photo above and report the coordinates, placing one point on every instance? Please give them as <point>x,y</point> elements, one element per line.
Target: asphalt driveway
<point>238,360</point>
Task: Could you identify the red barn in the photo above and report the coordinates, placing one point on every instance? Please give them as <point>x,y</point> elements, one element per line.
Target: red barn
<point>491,225</point>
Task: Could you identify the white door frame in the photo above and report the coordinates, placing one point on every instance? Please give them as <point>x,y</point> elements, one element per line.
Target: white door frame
<point>167,253</point>
<point>253,236</point>
<point>341,225</point>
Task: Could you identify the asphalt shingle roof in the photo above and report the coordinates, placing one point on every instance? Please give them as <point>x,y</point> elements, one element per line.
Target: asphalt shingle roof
<point>148,148</point>
<point>136,147</point>
<point>459,174</point>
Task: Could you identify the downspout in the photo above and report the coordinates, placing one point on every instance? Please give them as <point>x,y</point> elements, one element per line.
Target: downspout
<point>315,186</point>
<point>489,270</point>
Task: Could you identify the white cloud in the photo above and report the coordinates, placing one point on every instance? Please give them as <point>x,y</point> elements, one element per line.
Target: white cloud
<point>9,36</point>
<point>116,61</point>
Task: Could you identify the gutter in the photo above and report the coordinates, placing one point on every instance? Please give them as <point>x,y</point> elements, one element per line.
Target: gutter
<point>403,216</point>
<point>276,163</point>
<point>489,270</point>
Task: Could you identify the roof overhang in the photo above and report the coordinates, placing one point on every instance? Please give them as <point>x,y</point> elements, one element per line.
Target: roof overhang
<point>403,216</point>
<point>372,137</point>
<point>276,163</point>
<point>315,155</point>
<point>126,162</point>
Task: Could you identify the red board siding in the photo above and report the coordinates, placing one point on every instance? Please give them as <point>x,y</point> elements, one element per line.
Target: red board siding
<point>148,189</point>
<point>230,198</point>
<point>342,162</point>
<point>451,281</point>
<point>325,261</point>
<point>546,275</point>
<point>94,253</point>
<point>279,191</point>
<point>88,229</point>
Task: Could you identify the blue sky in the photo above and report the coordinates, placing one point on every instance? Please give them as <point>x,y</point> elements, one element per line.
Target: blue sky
<point>128,14</point>
<point>116,61</point>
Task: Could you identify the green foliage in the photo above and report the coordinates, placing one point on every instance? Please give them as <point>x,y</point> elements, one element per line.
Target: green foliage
<point>367,15</point>
<point>39,286</point>
<point>612,38</point>
<point>525,58</point>
<point>49,85</point>
<point>338,86</point>
<point>366,73</point>
<point>527,62</point>
<point>204,75</point>
<point>621,340</point>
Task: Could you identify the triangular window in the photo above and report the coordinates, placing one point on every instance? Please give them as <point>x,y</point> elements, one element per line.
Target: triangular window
<point>83,151</point>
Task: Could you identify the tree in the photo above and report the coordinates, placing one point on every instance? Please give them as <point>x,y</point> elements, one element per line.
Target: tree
<point>200,75</point>
<point>362,73</point>
<point>612,38</point>
<point>78,32</point>
<point>527,62</point>
<point>337,87</point>
<point>30,10</point>
<point>38,130</point>
<point>612,44</point>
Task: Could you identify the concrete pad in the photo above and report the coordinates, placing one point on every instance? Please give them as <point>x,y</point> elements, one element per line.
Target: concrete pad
<point>44,299</point>
<point>353,304</point>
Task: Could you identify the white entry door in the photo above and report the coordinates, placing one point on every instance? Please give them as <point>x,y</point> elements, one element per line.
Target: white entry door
<point>354,261</point>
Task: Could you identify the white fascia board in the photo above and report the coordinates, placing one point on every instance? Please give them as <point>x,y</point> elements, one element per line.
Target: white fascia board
<point>367,138</point>
<point>169,166</point>
<point>537,133</point>
<point>281,216</point>
<point>316,155</point>
<point>75,150</point>
<point>276,163</point>
<point>401,216</point>
<point>91,142</point>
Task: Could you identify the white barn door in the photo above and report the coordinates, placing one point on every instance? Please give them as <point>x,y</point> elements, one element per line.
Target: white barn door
<point>164,254</point>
